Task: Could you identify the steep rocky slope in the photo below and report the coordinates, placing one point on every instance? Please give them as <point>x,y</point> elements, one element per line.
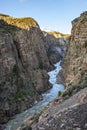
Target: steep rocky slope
<point>56,45</point>
<point>69,112</point>
<point>23,65</point>
<point>75,62</point>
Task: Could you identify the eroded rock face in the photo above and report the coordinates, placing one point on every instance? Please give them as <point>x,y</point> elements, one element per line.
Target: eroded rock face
<point>75,62</point>
<point>63,115</point>
<point>56,45</point>
<point>23,65</point>
<point>70,110</point>
<point>34,56</point>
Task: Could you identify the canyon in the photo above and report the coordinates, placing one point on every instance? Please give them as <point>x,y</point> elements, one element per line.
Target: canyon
<point>26,55</point>
<point>69,111</point>
<point>25,59</point>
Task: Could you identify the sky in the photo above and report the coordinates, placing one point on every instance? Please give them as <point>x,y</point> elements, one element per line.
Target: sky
<point>54,15</point>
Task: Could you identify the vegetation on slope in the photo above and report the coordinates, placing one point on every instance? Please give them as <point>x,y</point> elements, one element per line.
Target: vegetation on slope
<point>57,34</point>
<point>82,18</point>
<point>73,89</point>
<point>24,23</point>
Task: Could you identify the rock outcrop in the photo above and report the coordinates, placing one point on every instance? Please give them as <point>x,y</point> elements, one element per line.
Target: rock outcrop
<point>69,111</point>
<point>56,45</point>
<point>23,65</point>
<point>75,62</point>
<point>70,114</point>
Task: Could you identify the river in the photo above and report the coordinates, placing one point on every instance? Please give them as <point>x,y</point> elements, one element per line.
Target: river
<point>48,96</point>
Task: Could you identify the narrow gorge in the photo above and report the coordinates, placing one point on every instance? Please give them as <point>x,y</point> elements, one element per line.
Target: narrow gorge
<point>69,111</point>
<point>26,55</point>
<point>28,116</point>
<point>32,82</point>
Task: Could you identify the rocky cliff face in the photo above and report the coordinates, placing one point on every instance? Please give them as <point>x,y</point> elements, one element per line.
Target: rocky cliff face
<point>56,45</point>
<point>23,65</point>
<point>75,62</point>
<point>69,112</point>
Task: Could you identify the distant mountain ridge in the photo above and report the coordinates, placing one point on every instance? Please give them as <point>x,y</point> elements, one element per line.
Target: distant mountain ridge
<point>56,34</point>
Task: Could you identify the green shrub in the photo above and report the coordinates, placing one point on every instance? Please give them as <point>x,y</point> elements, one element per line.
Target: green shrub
<point>59,93</point>
<point>72,89</point>
<point>85,44</point>
<point>21,94</point>
<point>36,116</point>
<point>83,82</point>
<point>84,19</point>
<point>76,19</point>
<point>27,128</point>
<point>50,52</point>
<point>15,69</point>
<point>32,91</point>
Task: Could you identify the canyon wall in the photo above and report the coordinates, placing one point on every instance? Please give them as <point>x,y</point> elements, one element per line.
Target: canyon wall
<point>26,55</point>
<point>55,45</point>
<point>69,111</point>
<point>23,65</point>
<point>75,61</point>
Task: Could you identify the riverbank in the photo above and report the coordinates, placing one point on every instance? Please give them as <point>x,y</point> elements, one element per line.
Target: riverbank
<point>69,114</point>
<point>48,96</point>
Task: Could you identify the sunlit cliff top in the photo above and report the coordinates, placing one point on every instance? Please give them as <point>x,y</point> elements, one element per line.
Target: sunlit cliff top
<point>24,23</point>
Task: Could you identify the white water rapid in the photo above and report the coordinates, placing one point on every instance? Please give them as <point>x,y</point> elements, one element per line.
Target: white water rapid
<point>48,96</point>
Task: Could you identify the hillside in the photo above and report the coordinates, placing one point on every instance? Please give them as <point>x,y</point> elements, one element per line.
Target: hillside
<point>69,111</point>
<point>23,65</point>
<point>56,34</point>
<point>23,23</point>
<point>76,55</point>
<point>55,45</point>
<point>24,62</point>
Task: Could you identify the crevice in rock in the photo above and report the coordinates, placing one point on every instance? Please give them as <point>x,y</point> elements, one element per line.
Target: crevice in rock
<point>17,55</point>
